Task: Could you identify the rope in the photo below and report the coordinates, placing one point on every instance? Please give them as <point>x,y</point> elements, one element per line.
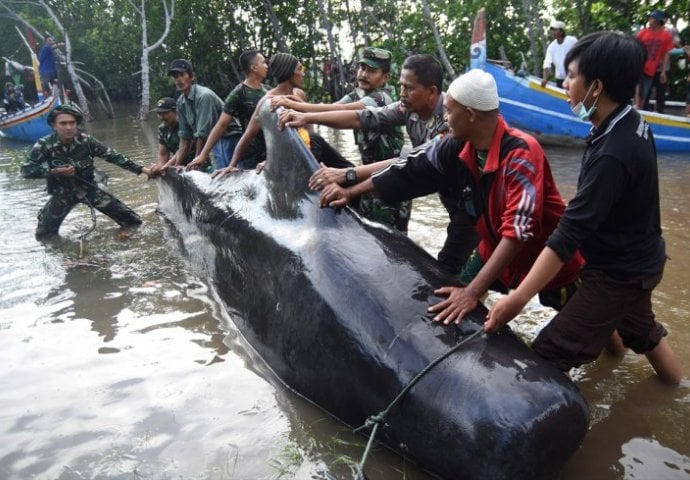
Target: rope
<point>375,420</point>
<point>82,237</point>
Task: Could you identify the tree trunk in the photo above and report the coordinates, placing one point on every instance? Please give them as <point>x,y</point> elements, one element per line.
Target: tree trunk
<point>534,25</point>
<point>146,51</point>
<point>437,38</point>
<point>277,28</point>
<point>326,24</point>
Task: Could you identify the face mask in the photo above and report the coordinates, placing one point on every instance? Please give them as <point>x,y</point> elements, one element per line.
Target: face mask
<point>581,111</point>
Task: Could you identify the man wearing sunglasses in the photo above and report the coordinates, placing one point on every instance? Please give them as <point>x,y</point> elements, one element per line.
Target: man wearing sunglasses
<point>374,144</point>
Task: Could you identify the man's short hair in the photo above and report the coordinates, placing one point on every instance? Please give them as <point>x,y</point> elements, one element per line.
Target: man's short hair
<point>427,69</point>
<point>614,58</point>
<point>247,59</point>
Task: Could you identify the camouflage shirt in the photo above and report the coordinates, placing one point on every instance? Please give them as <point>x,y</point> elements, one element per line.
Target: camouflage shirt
<point>171,140</point>
<point>49,153</point>
<point>240,104</point>
<point>376,145</point>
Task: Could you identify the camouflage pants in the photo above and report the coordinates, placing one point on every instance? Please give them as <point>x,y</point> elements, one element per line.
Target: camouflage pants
<point>394,214</point>
<point>58,206</point>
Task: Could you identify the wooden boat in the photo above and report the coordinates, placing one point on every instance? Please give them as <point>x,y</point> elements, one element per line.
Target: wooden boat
<point>545,111</point>
<point>29,124</point>
<point>337,307</point>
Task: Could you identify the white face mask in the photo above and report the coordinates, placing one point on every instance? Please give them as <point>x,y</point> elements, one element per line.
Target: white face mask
<point>581,111</point>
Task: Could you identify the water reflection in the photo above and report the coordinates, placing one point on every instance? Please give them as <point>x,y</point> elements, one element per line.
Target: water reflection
<point>121,363</point>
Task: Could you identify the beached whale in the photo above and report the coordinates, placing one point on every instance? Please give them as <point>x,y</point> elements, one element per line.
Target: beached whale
<point>336,307</point>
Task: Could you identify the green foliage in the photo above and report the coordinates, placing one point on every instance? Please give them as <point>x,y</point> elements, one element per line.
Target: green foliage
<point>106,34</point>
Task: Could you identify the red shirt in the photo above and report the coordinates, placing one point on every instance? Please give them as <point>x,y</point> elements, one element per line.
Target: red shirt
<point>658,43</point>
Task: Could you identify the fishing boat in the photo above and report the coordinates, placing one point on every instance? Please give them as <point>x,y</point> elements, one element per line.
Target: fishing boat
<point>29,124</point>
<point>545,112</point>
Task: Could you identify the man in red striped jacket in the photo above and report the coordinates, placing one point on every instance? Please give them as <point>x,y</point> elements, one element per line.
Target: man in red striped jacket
<point>504,182</point>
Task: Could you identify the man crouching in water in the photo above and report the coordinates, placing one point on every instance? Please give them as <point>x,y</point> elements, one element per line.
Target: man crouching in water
<point>66,159</point>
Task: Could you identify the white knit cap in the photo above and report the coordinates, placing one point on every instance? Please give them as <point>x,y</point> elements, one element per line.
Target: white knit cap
<point>475,89</point>
<point>557,25</point>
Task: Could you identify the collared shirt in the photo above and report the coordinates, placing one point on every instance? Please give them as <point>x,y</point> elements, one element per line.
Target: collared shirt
<point>420,131</point>
<point>614,218</point>
<point>171,140</point>
<point>513,196</point>
<point>198,112</point>
<point>49,153</point>
<point>380,144</point>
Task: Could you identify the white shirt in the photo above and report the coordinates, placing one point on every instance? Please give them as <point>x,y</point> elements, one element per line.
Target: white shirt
<point>555,54</point>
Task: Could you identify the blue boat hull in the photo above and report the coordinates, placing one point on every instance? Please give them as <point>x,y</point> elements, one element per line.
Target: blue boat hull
<point>544,111</point>
<point>337,308</point>
<point>29,124</point>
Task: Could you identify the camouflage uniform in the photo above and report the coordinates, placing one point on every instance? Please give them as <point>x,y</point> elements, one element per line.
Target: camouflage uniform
<point>240,104</point>
<point>171,140</point>
<point>374,146</point>
<point>66,192</point>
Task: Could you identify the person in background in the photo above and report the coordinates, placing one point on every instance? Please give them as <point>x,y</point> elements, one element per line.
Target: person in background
<point>66,159</point>
<point>239,106</point>
<point>198,110</point>
<point>420,109</point>
<point>613,220</point>
<point>19,97</point>
<point>289,72</point>
<point>658,42</point>
<point>374,145</point>
<point>556,52</point>
<point>169,139</point>
<point>47,69</point>
<point>505,182</point>
<point>9,101</point>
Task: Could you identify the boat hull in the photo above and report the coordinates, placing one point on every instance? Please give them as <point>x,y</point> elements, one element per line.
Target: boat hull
<point>545,111</point>
<point>29,124</point>
<point>337,308</point>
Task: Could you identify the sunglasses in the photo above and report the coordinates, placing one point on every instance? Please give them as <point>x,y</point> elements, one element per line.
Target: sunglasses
<point>378,53</point>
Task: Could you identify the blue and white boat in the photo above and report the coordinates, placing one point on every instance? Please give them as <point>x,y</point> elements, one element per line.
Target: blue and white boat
<point>29,124</point>
<point>545,112</point>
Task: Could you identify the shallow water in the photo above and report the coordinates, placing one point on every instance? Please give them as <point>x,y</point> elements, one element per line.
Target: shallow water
<point>117,362</point>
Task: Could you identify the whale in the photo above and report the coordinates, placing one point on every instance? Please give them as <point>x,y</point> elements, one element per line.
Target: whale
<point>336,307</point>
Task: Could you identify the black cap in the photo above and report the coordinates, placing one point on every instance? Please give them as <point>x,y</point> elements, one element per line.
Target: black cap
<point>181,65</point>
<point>165,104</point>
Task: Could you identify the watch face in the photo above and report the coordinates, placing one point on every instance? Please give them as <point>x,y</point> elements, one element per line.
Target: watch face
<point>351,175</point>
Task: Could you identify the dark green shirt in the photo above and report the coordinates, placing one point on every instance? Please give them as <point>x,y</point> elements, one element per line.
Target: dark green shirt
<point>376,144</point>
<point>240,104</point>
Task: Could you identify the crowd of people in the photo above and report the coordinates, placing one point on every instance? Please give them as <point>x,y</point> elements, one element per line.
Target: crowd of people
<point>595,260</point>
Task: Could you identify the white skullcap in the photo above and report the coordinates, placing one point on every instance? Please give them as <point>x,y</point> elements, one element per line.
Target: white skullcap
<point>475,89</point>
<point>557,25</point>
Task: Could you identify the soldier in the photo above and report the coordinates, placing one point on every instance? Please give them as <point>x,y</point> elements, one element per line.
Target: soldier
<point>374,145</point>
<point>169,138</point>
<point>66,159</point>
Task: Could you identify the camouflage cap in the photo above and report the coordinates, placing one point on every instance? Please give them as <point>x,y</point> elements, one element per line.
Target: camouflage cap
<point>69,108</point>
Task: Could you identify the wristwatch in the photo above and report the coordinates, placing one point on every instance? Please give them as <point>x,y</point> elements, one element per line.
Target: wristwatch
<point>350,177</point>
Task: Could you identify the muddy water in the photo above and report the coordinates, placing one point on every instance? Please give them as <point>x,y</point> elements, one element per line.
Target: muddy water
<point>116,362</point>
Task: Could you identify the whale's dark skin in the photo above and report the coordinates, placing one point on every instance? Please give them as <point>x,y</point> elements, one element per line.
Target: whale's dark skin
<point>337,308</point>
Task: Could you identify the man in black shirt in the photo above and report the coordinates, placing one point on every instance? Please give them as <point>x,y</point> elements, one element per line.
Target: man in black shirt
<point>613,220</point>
